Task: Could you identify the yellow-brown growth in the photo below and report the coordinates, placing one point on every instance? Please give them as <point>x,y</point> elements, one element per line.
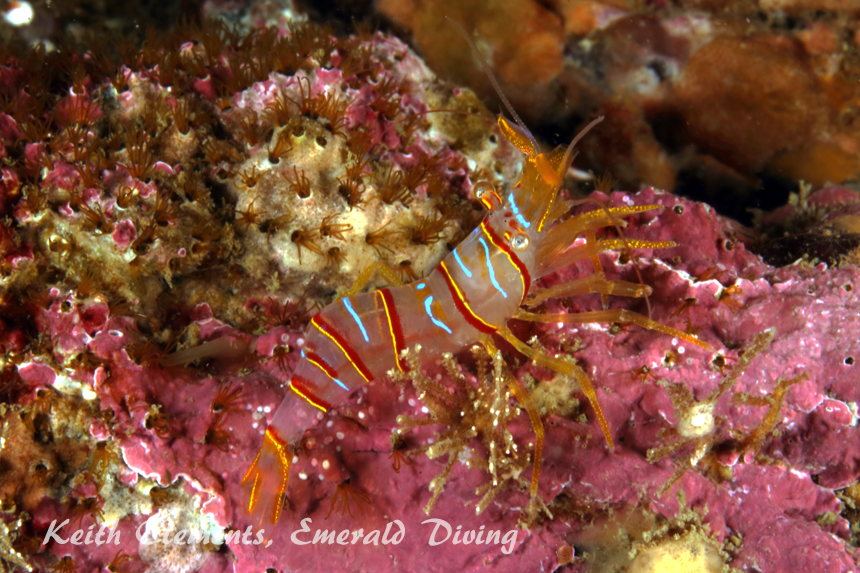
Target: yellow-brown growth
<point>698,427</point>
<point>482,412</point>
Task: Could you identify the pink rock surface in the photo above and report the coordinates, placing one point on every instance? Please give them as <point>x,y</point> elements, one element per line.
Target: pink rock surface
<point>773,507</point>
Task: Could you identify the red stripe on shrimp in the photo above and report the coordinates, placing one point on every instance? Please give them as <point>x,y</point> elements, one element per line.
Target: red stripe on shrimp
<point>317,360</point>
<point>515,260</point>
<point>273,435</point>
<point>394,326</point>
<point>344,346</point>
<point>460,302</point>
<point>303,388</point>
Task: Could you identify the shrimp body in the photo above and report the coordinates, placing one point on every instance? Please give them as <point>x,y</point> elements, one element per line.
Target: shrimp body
<point>359,338</point>
<point>469,297</point>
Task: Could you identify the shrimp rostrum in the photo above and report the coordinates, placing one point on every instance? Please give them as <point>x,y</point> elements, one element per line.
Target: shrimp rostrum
<point>468,298</point>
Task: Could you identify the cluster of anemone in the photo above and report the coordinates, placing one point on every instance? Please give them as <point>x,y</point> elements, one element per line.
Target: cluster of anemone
<point>282,161</point>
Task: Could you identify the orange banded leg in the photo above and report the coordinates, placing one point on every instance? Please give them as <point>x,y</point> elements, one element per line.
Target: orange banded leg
<point>567,369</point>
<point>525,399</point>
<point>268,475</point>
<point>384,269</point>
<point>558,237</point>
<point>550,262</point>
<point>617,315</point>
<point>591,284</point>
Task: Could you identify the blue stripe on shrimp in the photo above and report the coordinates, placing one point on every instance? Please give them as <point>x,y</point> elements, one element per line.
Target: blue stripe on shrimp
<point>516,211</point>
<point>355,316</point>
<point>466,270</point>
<point>427,303</point>
<point>490,267</point>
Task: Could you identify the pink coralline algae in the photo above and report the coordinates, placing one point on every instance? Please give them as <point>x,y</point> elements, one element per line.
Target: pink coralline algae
<point>159,275</point>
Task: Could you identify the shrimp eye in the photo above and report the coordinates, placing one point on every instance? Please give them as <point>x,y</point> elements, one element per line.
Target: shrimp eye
<point>520,242</point>
<point>487,195</point>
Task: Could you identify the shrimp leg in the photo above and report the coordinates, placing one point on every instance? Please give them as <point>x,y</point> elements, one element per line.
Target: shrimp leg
<point>617,315</point>
<point>591,237</point>
<point>562,367</point>
<point>384,269</point>
<point>593,283</point>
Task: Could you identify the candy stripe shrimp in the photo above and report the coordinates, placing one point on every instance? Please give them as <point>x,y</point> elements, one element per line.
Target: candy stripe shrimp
<point>468,298</point>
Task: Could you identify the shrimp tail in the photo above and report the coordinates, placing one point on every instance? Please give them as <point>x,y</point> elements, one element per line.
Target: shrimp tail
<point>265,483</point>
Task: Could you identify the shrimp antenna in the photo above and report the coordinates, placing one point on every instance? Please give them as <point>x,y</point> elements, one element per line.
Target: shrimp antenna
<point>495,83</point>
<point>568,153</point>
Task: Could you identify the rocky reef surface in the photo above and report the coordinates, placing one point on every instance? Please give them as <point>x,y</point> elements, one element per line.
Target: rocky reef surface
<point>705,98</point>
<point>175,214</point>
